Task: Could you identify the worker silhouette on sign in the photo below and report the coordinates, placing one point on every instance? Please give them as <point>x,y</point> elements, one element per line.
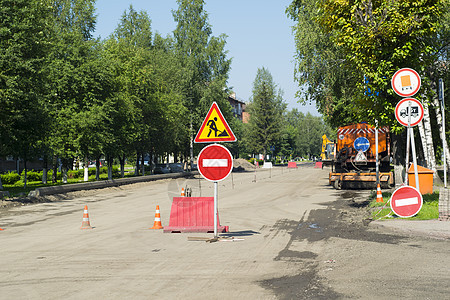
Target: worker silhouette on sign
<point>213,127</point>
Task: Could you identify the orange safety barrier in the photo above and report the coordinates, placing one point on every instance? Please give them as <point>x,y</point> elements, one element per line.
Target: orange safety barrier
<point>292,165</point>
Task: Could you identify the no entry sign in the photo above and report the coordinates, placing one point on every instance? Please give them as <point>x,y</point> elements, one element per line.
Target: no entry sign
<point>406,201</point>
<point>215,162</point>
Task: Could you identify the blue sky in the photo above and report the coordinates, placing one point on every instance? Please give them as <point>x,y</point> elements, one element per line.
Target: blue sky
<point>259,35</point>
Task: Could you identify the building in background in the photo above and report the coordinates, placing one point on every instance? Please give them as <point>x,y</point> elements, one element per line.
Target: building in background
<point>238,108</point>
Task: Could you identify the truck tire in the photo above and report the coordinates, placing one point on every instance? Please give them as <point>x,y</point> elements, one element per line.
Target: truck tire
<point>337,184</point>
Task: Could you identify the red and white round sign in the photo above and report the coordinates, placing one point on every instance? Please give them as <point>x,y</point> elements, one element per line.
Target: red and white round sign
<point>215,162</point>
<point>409,107</point>
<point>406,82</point>
<point>406,201</point>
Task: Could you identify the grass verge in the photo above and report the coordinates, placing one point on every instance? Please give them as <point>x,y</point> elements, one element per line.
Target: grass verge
<point>382,210</point>
<point>18,190</point>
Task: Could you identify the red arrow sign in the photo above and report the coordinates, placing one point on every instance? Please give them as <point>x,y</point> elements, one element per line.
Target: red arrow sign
<point>406,201</point>
<point>215,162</point>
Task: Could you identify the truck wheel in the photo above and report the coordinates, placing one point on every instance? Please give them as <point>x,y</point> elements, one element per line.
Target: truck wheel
<point>337,184</point>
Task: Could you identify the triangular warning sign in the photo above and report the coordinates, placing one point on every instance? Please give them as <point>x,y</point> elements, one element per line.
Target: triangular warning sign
<point>214,128</point>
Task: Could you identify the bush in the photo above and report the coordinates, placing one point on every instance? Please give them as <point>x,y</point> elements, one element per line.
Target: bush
<point>10,178</point>
<point>34,176</point>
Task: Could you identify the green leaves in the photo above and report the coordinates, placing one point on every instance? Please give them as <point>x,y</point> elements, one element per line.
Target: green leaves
<point>266,112</point>
<point>345,42</point>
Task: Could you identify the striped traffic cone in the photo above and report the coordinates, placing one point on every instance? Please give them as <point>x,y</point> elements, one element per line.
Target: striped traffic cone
<point>86,224</point>
<point>379,195</point>
<point>182,192</point>
<point>157,224</point>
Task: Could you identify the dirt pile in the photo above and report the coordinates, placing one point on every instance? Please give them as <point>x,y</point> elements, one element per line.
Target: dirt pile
<point>241,164</point>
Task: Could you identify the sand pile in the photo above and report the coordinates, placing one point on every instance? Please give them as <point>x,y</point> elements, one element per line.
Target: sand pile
<point>242,165</point>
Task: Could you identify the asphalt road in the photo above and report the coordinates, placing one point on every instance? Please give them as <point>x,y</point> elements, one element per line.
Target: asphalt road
<point>298,239</point>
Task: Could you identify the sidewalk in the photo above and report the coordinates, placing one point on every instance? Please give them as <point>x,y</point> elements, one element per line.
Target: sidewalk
<point>428,228</point>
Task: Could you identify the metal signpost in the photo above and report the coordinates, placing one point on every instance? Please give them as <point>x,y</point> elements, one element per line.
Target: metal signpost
<point>409,113</point>
<point>406,201</point>
<point>215,162</point>
<point>444,143</point>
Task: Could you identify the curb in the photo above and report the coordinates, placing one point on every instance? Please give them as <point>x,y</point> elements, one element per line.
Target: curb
<point>60,189</point>
<point>424,228</point>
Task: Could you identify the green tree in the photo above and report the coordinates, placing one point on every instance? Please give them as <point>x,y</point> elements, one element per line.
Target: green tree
<point>24,45</point>
<point>78,84</point>
<point>147,77</point>
<point>266,112</point>
<point>380,37</point>
<point>135,28</point>
<point>323,75</point>
<point>203,60</point>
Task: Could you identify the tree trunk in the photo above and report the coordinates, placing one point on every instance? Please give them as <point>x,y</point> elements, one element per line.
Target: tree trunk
<point>142,164</point>
<point>55,169</point>
<point>438,111</point>
<point>44,170</point>
<point>424,144</point>
<point>398,148</point>
<point>64,170</point>
<point>25,173</point>
<point>136,169</point>
<point>110,168</point>
<point>122,166</point>
<point>429,140</point>
<point>86,170</point>
<point>97,168</point>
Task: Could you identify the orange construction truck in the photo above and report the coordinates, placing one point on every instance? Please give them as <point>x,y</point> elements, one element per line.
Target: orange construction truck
<point>354,165</point>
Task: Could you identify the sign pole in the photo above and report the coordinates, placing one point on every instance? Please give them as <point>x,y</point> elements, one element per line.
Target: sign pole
<point>444,146</point>
<point>377,168</point>
<point>408,143</point>
<point>215,161</point>
<point>413,148</point>
<point>216,188</point>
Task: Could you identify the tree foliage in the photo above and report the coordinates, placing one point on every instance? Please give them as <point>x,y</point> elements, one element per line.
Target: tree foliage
<point>66,96</point>
<point>369,40</point>
<point>266,112</point>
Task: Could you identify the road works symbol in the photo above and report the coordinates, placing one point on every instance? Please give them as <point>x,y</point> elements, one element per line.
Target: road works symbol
<point>406,201</point>
<point>215,162</point>
<point>406,82</point>
<point>409,107</point>
<point>214,128</point>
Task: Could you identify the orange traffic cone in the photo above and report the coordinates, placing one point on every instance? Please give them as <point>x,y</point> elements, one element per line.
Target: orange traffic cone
<point>182,192</point>
<point>86,224</point>
<point>379,195</point>
<point>1,229</point>
<point>157,224</point>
